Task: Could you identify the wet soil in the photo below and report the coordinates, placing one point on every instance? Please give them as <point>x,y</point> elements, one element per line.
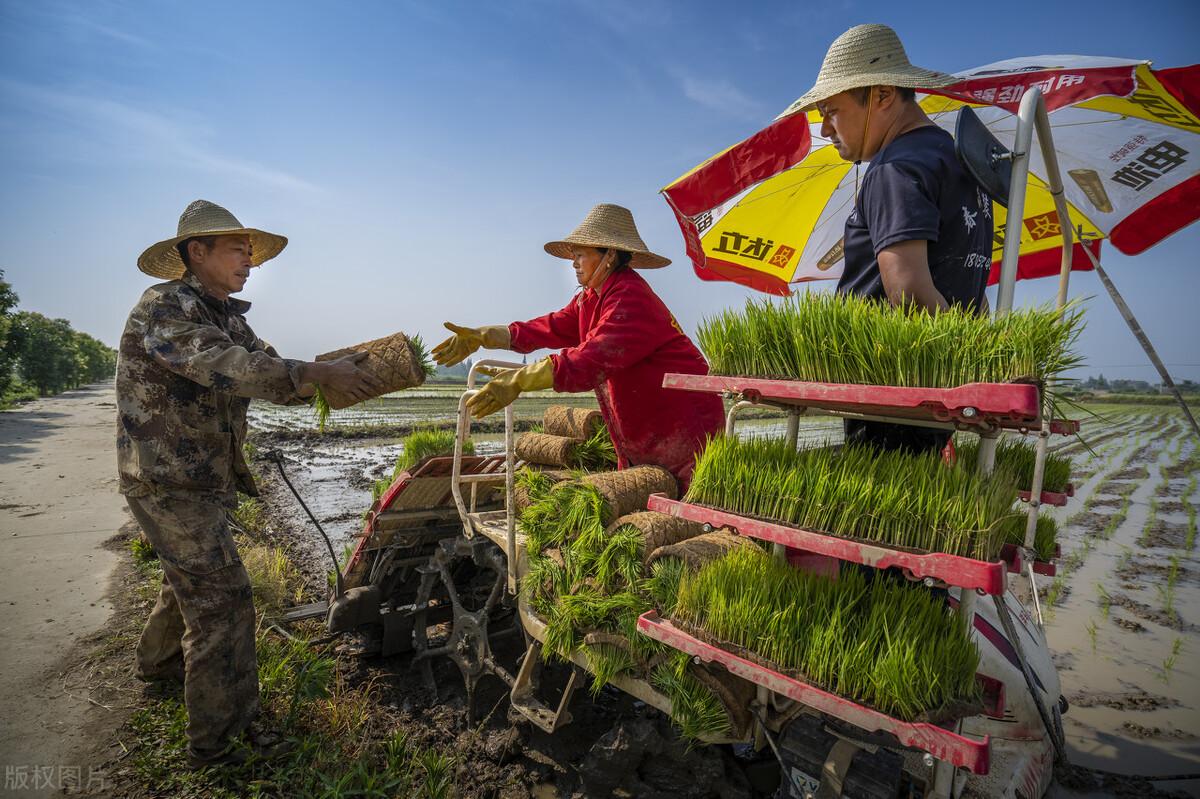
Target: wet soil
<point>1166,535</point>
<point>1159,616</point>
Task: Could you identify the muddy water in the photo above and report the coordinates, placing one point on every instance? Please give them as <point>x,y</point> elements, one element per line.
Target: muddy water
<point>1128,664</point>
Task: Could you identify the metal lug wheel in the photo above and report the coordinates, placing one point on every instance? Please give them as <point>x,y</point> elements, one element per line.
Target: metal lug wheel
<point>472,575</point>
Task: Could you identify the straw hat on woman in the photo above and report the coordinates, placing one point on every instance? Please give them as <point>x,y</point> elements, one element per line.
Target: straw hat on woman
<point>617,338</point>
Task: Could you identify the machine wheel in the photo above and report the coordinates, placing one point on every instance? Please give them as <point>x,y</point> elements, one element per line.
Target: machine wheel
<point>471,574</point>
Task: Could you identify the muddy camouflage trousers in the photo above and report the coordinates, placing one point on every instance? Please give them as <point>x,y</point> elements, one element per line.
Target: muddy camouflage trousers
<point>202,627</point>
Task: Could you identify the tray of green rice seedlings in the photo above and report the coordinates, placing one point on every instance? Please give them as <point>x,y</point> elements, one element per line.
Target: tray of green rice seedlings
<point>1045,543</point>
<point>417,446</point>
<point>837,338</point>
<point>1018,456</point>
<point>882,643</point>
<point>905,507</point>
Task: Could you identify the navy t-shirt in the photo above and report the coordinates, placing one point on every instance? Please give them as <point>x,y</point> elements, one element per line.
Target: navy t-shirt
<point>915,188</point>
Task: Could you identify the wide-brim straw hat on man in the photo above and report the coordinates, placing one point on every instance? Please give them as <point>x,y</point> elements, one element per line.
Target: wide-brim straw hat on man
<point>203,218</point>
<point>609,226</point>
<point>867,55</point>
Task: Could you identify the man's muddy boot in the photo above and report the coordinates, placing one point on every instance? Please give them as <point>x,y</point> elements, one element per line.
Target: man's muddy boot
<point>260,745</point>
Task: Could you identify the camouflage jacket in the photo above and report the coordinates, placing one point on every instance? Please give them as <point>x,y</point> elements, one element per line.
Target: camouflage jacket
<point>187,368</point>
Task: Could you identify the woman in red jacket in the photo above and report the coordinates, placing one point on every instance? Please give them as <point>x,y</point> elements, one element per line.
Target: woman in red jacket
<point>617,338</point>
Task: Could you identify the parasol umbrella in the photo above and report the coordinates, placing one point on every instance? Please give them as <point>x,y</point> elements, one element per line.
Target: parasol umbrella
<point>770,211</point>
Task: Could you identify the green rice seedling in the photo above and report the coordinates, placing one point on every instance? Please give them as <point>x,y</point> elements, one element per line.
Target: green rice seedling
<point>663,583</point>
<point>1105,599</point>
<point>1045,538</point>
<point>892,646</point>
<point>621,558</point>
<point>417,446</point>
<point>321,406</point>
<point>426,443</point>
<point>1091,631</point>
<point>1018,456</point>
<point>1126,558</point>
<point>694,708</point>
<point>1115,520</point>
<point>597,453</point>
<point>1151,518</point>
<point>606,661</point>
<point>837,338</point>
<point>892,498</point>
<point>422,356</point>
<point>1056,590</point>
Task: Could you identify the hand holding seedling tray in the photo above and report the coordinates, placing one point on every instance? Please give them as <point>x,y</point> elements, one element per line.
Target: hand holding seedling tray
<point>397,361</point>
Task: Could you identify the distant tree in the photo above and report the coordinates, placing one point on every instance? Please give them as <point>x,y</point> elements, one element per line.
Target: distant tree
<point>8,360</point>
<point>95,360</point>
<point>46,352</point>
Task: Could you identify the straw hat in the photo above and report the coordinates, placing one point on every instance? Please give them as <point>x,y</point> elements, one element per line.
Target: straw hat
<point>867,55</point>
<point>203,218</point>
<point>609,225</point>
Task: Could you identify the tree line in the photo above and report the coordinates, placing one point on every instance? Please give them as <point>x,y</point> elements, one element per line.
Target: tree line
<point>40,356</point>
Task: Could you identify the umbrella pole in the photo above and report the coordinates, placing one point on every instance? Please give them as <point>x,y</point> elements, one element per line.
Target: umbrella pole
<point>1140,335</point>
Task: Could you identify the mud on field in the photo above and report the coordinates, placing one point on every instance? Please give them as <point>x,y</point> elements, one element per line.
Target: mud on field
<point>1127,600</point>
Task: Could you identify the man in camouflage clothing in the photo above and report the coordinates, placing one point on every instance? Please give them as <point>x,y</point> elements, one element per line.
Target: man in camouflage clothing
<point>188,366</point>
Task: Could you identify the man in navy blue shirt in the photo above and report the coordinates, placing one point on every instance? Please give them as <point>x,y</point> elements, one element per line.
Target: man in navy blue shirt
<point>921,229</point>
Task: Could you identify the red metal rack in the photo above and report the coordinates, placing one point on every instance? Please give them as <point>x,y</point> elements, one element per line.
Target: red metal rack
<point>1051,497</point>
<point>1011,555</point>
<point>947,569</point>
<point>938,741</point>
<point>1012,406</point>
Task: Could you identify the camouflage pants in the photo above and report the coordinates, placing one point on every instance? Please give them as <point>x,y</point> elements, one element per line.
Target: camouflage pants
<point>203,621</point>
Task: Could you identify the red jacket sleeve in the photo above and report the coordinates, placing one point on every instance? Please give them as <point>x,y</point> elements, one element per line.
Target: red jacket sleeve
<point>555,330</point>
<point>631,323</point>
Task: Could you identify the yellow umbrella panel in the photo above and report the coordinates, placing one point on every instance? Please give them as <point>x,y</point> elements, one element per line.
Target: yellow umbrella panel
<point>770,211</point>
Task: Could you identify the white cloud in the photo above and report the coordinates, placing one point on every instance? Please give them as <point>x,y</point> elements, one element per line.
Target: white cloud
<point>137,133</point>
<point>718,94</point>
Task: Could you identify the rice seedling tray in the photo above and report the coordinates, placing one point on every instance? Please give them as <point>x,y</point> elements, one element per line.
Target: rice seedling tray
<point>1051,497</point>
<point>1011,555</point>
<point>1012,406</point>
<point>950,570</point>
<point>938,741</point>
<point>436,493</point>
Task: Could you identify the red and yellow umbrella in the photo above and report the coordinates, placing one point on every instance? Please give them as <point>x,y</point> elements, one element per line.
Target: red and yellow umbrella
<point>771,210</point>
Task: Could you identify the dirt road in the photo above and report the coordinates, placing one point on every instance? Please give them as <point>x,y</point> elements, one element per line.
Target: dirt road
<point>58,503</point>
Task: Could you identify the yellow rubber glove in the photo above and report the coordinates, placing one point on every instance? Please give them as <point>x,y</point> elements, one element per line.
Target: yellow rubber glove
<point>508,384</point>
<point>468,339</point>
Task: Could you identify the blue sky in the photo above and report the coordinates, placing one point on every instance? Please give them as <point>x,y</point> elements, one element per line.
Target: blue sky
<point>418,154</point>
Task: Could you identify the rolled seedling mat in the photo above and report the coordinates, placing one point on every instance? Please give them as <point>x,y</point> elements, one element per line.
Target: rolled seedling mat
<point>391,359</point>
<point>628,490</point>
<point>658,529</point>
<point>577,423</point>
<point>546,449</point>
<point>734,693</point>
<point>702,549</point>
